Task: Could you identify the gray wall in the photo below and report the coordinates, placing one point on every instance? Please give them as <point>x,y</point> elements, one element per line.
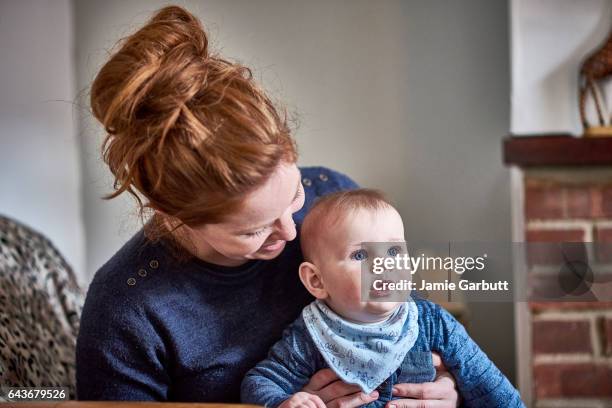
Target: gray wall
<point>39,157</point>
<point>545,84</point>
<point>408,96</point>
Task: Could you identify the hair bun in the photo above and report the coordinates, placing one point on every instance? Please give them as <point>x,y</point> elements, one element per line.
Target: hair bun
<point>174,13</point>
<point>177,26</point>
<point>170,52</point>
<point>181,121</point>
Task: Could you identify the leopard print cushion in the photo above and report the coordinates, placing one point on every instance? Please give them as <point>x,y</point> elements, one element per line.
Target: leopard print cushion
<point>40,306</point>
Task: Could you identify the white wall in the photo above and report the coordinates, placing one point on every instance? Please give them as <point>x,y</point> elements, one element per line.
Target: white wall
<point>550,39</point>
<point>39,165</point>
<point>408,96</point>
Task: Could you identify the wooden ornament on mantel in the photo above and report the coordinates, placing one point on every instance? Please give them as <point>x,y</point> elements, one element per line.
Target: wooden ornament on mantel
<point>595,70</point>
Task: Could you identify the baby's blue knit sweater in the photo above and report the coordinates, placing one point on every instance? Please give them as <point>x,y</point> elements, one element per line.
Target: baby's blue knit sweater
<point>295,358</point>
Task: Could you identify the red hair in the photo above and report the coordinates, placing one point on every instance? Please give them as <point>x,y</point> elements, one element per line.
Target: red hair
<point>188,132</point>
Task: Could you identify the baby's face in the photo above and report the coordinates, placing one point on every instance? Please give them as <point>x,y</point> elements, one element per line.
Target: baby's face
<point>340,259</point>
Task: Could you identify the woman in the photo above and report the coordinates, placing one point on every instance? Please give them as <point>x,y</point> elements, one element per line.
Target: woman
<point>198,296</point>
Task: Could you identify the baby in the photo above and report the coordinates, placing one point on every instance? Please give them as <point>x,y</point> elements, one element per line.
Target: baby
<point>366,341</point>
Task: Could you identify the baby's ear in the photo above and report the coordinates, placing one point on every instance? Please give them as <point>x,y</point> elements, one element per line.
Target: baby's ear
<point>311,278</point>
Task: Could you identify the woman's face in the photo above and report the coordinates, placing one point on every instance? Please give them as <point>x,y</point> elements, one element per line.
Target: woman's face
<point>260,229</point>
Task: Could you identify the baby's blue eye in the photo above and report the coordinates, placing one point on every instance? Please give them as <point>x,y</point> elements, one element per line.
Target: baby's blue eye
<point>394,251</point>
<point>359,255</point>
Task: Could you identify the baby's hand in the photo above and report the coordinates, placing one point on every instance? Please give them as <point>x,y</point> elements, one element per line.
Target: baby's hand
<point>303,400</point>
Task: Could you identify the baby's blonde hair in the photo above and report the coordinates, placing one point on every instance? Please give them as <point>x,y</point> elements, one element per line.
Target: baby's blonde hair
<point>332,208</point>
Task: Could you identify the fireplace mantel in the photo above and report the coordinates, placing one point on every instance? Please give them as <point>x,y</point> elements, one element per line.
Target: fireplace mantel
<point>557,150</point>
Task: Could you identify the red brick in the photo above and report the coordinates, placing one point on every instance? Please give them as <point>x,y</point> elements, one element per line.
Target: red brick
<point>576,283</point>
<point>603,244</point>
<point>596,202</point>
<point>543,202</point>
<point>550,254</point>
<point>584,201</point>
<point>543,287</point>
<point>606,201</point>
<point>578,202</point>
<point>601,287</point>
<point>546,287</point>
<point>539,307</point>
<point>562,336</point>
<point>603,234</point>
<point>607,336</point>
<point>577,380</point>
<point>564,235</point>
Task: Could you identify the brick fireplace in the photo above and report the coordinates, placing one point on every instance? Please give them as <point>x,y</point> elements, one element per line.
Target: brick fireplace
<point>562,192</point>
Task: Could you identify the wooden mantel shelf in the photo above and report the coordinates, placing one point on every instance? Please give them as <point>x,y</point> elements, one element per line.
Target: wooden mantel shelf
<point>557,150</point>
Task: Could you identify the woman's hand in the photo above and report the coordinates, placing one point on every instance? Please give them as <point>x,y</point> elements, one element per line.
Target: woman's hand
<point>441,393</point>
<point>333,392</point>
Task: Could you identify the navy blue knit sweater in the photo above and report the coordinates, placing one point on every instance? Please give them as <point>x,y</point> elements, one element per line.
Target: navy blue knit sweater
<point>185,333</point>
<point>153,329</point>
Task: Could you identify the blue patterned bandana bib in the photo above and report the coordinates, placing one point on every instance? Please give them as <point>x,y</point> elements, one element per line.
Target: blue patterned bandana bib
<point>364,355</point>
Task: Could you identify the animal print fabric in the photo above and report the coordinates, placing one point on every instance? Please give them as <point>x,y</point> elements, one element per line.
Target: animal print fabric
<point>40,306</point>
